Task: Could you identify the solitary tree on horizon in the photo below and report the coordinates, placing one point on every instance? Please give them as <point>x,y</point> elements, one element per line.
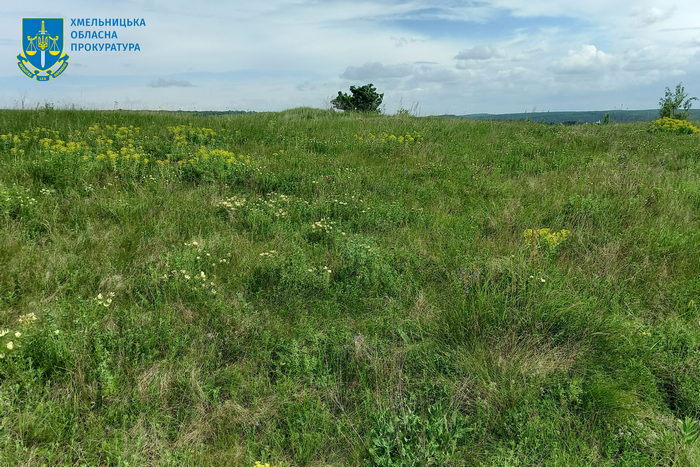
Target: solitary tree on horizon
<point>363,99</point>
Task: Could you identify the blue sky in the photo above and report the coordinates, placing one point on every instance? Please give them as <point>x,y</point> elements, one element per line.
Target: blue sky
<point>456,57</point>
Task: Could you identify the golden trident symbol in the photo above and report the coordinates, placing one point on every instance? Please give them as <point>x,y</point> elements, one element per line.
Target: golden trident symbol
<point>42,41</point>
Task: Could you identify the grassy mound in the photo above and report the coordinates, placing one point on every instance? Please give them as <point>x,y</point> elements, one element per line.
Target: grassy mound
<point>314,288</point>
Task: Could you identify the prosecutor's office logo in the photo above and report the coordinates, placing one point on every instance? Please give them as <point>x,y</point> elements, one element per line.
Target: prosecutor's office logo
<point>42,54</point>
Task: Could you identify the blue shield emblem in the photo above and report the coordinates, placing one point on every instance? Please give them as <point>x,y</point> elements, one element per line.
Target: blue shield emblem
<point>42,47</point>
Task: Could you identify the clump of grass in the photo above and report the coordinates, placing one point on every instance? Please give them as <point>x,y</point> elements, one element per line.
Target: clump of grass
<point>551,239</point>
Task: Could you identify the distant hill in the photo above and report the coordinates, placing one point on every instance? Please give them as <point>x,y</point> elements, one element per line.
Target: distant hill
<point>574,117</point>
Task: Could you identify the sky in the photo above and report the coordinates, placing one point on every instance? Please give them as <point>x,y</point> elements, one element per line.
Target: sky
<point>429,57</point>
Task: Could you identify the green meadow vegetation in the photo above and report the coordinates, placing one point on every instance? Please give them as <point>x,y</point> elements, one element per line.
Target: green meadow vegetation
<point>313,288</point>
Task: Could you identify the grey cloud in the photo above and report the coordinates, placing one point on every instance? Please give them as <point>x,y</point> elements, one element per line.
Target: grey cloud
<point>467,65</point>
<point>401,41</point>
<point>481,52</point>
<point>528,55</point>
<point>377,70</point>
<point>652,15</point>
<point>166,83</point>
<point>645,59</point>
<point>652,57</point>
<point>306,86</point>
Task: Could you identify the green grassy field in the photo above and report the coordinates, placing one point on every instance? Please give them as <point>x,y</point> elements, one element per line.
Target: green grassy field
<point>309,288</point>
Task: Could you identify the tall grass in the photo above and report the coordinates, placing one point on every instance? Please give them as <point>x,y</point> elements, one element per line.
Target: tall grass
<point>313,288</point>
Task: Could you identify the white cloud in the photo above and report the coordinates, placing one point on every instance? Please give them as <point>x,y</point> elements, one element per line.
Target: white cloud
<point>481,52</point>
<point>166,83</point>
<point>376,70</point>
<point>648,58</point>
<point>530,53</point>
<point>587,60</point>
<point>468,65</point>
<point>518,73</point>
<point>428,74</point>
